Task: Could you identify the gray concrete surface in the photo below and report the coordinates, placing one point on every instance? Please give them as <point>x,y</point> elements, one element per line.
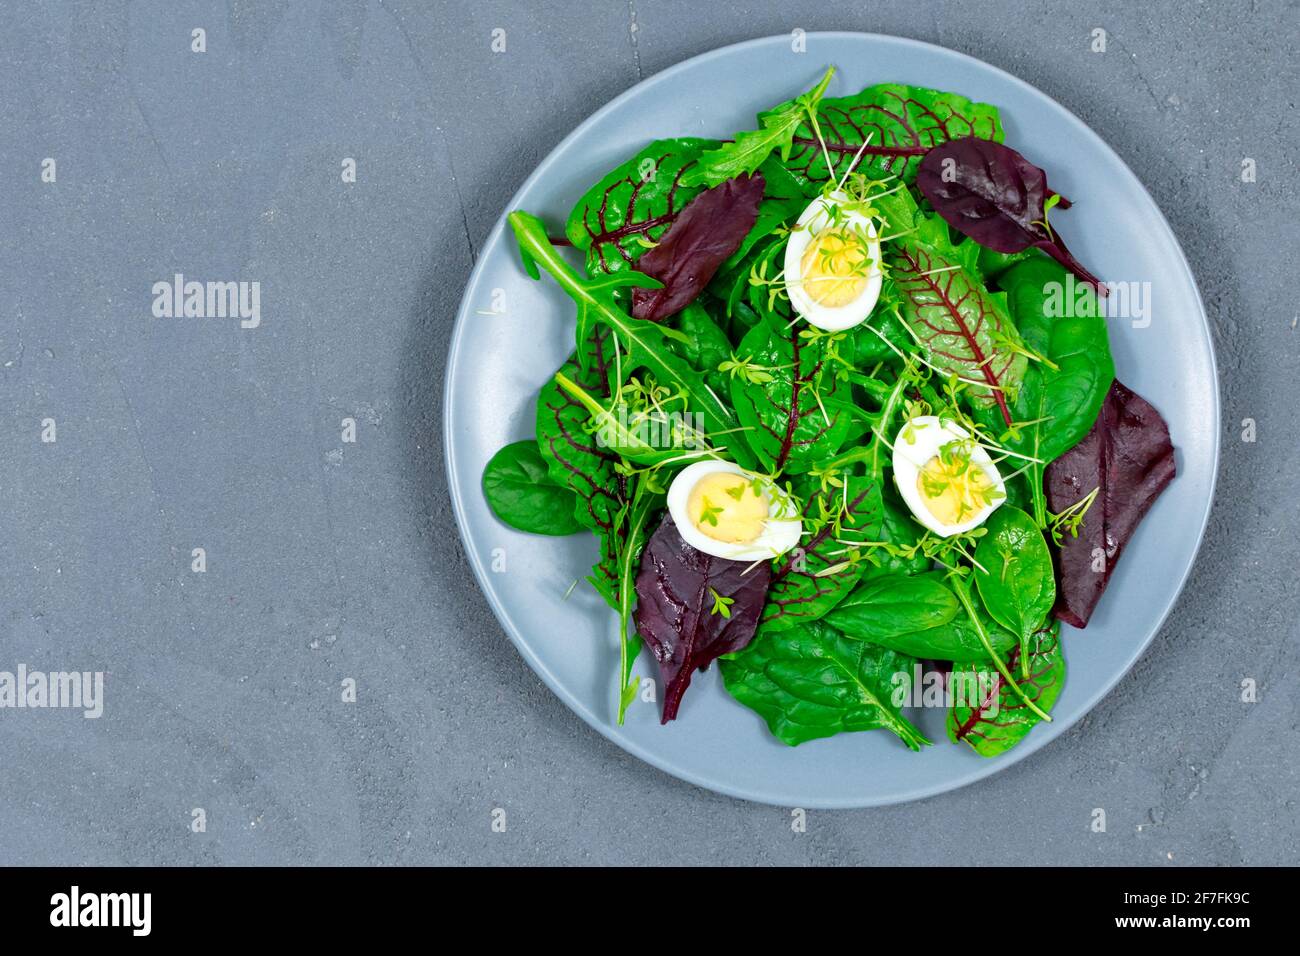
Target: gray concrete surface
<point>328,560</point>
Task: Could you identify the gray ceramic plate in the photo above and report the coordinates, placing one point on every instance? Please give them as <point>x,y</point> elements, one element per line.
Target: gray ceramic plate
<point>497,362</point>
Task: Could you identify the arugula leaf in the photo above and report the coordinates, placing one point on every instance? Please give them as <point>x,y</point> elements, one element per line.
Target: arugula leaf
<point>520,492</point>
<point>645,343</point>
<point>574,461</point>
<point>634,204</point>
<point>811,681</point>
<point>794,409</point>
<point>677,590</point>
<point>962,328</point>
<point>620,436</point>
<point>899,123</point>
<point>996,722</point>
<point>751,148</point>
<point>636,521</point>
<point>1013,572</point>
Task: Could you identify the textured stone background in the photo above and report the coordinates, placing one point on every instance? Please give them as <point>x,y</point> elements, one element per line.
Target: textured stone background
<point>328,560</point>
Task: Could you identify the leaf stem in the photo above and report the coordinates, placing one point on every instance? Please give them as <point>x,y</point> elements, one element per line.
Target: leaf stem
<point>629,647</point>
<point>1038,496</point>
<point>962,589</point>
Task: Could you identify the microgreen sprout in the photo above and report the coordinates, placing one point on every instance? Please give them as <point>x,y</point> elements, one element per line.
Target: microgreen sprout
<point>1070,519</point>
<point>721,604</point>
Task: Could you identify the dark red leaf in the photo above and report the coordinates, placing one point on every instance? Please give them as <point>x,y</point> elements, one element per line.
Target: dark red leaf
<point>1128,456</point>
<point>994,195</point>
<point>675,608</point>
<point>705,234</point>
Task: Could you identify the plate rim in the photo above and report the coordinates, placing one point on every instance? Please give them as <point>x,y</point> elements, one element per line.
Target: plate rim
<point>978,771</point>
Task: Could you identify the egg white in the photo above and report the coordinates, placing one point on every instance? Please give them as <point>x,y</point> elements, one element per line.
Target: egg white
<point>929,434</point>
<point>781,532</point>
<point>813,221</point>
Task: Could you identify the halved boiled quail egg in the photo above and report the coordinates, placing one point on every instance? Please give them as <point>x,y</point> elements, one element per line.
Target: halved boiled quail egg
<point>723,510</point>
<point>832,263</point>
<point>945,476</point>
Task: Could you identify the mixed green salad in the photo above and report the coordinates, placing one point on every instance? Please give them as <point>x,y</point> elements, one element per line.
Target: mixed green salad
<point>831,422</point>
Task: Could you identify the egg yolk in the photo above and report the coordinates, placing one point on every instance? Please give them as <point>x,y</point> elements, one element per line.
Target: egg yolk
<point>955,489</point>
<point>834,268</point>
<point>726,508</point>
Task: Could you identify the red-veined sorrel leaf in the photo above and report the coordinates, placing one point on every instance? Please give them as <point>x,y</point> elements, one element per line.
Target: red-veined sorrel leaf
<point>977,688</point>
<point>692,607</point>
<point>625,213</point>
<point>963,329</point>
<point>1129,459</point>
<point>705,234</point>
<point>802,590</point>
<point>788,399</point>
<point>575,461</point>
<point>899,123</point>
<point>997,197</point>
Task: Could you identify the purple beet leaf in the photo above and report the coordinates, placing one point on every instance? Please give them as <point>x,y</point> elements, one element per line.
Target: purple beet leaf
<point>692,607</point>
<point>704,235</point>
<point>997,197</point>
<point>1128,458</point>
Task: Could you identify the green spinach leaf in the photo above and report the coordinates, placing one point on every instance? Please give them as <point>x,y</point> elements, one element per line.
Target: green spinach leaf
<point>1058,404</point>
<point>520,492</point>
<point>705,345</point>
<point>794,409</point>
<point>811,681</point>
<point>890,603</point>
<point>955,641</point>
<point>916,615</point>
<point>1013,572</point>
